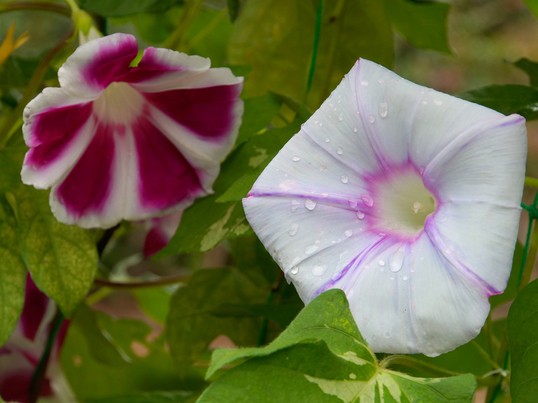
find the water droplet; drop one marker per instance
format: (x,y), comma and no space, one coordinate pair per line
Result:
(339,151)
(294,270)
(320,124)
(318,270)
(383,109)
(360,215)
(352,376)
(367,200)
(405,278)
(355,130)
(294,205)
(371,118)
(295,158)
(438,102)
(364,83)
(310,204)
(381,263)
(381,81)
(340,117)
(396,260)
(344,179)
(293,229)
(348,233)
(327,140)
(417,207)
(353,204)
(311,249)
(324,194)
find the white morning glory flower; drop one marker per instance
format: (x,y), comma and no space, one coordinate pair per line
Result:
(405,198)
(128,139)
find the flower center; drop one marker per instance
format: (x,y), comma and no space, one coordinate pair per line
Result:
(119,103)
(402,203)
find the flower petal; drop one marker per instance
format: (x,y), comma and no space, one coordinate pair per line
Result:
(313,244)
(57,135)
(168,180)
(96,64)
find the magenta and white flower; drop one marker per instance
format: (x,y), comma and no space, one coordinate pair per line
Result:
(20,356)
(405,198)
(128,139)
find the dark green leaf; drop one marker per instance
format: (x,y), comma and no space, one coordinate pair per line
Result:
(61,258)
(507,99)
(424,24)
(529,67)
(522,331)
(147,397)
(258,114)
(192,323)
(118,8)
(322,357)
(533,6)
(12,273)
(233,9)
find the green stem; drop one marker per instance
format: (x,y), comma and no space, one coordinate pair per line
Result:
(410,362)
(190,10)
(315,47)
(40,372)
(14,120)
(265,323)
(180,278)
(531,182)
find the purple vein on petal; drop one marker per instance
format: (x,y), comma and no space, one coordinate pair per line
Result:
(457,264)
(356,262)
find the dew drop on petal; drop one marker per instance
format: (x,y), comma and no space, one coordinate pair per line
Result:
(310,204)
(293,229)
(327,140)
(383,109)
(355,130)
(339,151)
(353,204)
(348,233)
(360,215)
(318,270)
(311,249)
(364,83)
(381,263)
(344,179)
(438,102)
(294,270)
(295,158)
(294,205)
(340,117)
(371,118)
(367,200)
(396,260)
(405,278)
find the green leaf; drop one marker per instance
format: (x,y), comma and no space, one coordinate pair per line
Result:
(119,8)
(529,67)
(92,378)
(259,112)
(194,320)
(62,259)
(522,331)
(12,273)
(533,6)
(322,357)
(276,38)
(507,99)
(423,24)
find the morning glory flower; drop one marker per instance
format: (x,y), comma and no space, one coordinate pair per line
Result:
(405,198)
(123,138)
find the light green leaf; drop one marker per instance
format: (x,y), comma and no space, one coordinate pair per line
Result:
(62,259)
(522,331)
(194,320)
(322,357)
(424,24)
(507,99)
(259,112)
(12,273)
(533,6)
